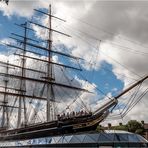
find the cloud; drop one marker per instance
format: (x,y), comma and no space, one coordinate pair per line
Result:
(22,8)
(121,23)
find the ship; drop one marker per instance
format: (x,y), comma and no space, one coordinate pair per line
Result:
(25,86)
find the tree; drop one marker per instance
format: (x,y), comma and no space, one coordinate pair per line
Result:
(99,128)
(135,126)
(121,127)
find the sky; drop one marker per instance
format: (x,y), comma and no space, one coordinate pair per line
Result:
(111,37)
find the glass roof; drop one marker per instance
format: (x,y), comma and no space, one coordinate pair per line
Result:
(107,136)
(111,136)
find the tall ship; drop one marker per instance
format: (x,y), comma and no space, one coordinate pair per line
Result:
(35,86)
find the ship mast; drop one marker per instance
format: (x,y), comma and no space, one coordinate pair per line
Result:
(50,109)
(50,92)
(22,82)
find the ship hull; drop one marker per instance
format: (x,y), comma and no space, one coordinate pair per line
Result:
(54,128)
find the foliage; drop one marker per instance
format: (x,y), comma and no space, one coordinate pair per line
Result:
(134,126)
(99,128)
(121,127)
(139,131)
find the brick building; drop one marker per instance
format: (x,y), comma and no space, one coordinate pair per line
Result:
(145,125)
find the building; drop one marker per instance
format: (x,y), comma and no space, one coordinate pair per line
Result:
(107,139)
(145,125)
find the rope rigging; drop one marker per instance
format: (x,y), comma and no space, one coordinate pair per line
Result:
(94,47)
(134,100)
(79,20)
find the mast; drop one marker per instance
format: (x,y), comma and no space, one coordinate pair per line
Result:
(22,82)
(50,93)
(50,109)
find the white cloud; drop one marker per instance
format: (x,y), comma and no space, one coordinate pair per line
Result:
(22,8)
